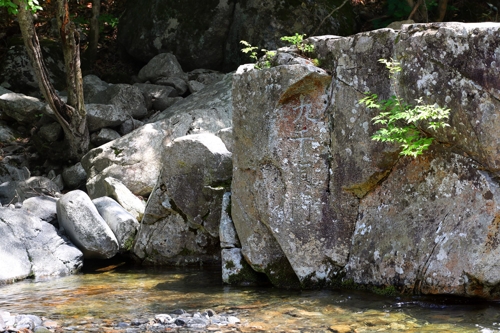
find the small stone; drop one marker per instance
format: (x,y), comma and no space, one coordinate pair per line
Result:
(180,322)
(340,328)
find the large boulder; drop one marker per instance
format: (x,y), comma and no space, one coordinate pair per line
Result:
(281,203)
(164,65)
(31,247)
(16,72)
(134,159)
(83,224)
(432,227)
(207,34)
(22,108)
(104,115)
(182,217)
(314,177)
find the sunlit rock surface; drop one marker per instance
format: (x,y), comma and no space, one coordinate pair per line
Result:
(315,196)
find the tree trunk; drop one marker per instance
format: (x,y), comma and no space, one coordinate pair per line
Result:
(94,32)
(71,116)
(443,4)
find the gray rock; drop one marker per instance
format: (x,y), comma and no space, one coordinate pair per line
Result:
(121,222)
(157,97)
(280,203)
(182,217)
(179,83)
(31,247)
(205,76)
(226,135)
(201,40)
(162,65)
(227,232)
(103,136)
(7,134)
(17,74)
(104,115)
(236,271)
(43,207)
(22,108)
(82,223)
(51,132)
(195,86)
(92,85)
(74,176)
(129,125)
(125,158)
(18,191)
(131,203)
(10,170)
(430,228)
(125,97)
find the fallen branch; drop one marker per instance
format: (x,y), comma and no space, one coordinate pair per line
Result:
(331,13)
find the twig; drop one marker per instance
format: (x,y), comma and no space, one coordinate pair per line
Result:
(331,13)
(414,10)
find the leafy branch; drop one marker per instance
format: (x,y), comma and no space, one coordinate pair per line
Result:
(403,123)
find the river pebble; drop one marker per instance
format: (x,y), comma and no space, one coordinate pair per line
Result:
(177,321)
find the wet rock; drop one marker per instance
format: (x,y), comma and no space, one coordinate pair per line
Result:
(236,271)
(182,217)
(82,223)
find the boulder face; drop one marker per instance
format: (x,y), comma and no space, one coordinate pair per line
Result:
(431,227)
(182,217)
(32,247)
(207,34)
(313,195)
(282,171)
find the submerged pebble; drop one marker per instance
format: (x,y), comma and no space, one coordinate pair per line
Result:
(177,321)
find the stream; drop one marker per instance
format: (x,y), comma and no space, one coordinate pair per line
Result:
(102,298)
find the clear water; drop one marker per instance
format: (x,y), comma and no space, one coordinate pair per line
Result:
(104,297)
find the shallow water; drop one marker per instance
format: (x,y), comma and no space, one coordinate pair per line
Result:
(97,299)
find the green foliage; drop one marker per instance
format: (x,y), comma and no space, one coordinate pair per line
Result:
(252,52)
(33,5)
(403,123)
(109,19)
(298,41)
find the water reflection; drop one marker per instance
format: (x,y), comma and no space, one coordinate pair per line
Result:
(111,294)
